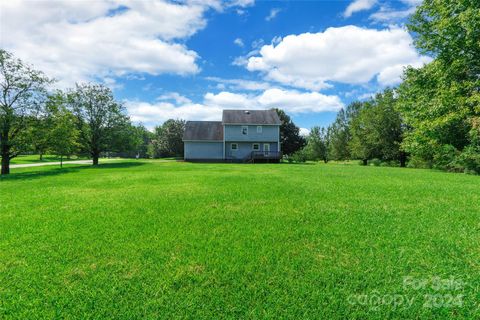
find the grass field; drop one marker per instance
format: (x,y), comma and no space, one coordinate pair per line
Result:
(147,239)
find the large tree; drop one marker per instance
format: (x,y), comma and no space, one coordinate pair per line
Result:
(23,90)
(167,141)
(290,138)
(63,135)
(440,102)
(376,129)
(100,118)
(318,144)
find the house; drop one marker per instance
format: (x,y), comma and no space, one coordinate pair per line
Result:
(242,135)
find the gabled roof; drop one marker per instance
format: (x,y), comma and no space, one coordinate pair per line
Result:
(251,117)
(203,130)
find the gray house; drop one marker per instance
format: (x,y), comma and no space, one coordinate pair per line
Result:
(242,135)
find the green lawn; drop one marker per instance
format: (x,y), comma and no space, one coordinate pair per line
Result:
(149,239)
(35,158)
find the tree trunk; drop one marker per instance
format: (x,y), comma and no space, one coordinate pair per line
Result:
(5,156)
(41,156)
(365,162)
(95,157)
(403,159)
(5,164)
(61,161)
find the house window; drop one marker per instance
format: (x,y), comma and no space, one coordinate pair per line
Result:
(259,129)
(245,130)
(234,146)
(266,147)
(255,146)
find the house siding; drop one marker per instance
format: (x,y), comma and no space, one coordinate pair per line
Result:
(269,133)
(245,149)
(200,150)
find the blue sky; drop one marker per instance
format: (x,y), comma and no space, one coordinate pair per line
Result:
(191,59)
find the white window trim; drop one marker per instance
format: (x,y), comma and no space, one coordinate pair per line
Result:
(259,129)
(253,146)
(231,146)
(266,144)
(244,127)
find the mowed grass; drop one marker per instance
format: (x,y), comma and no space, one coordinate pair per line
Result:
(35,158)
(148,239)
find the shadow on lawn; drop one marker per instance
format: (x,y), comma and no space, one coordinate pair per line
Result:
(49,171)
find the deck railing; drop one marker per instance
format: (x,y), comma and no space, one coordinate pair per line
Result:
(266,155)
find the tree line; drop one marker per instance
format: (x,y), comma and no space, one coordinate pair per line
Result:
(85,120)
(432,119)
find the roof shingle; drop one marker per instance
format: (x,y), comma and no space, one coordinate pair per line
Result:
(251,117)
(203,130)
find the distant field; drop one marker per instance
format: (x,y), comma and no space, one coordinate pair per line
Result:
(151,239)
(35,158)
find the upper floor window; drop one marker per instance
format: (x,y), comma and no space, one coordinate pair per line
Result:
(259,129)
(245,130)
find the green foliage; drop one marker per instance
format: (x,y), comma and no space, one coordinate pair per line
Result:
(317,144)
(23,91)
(299,156)
(440,102)
(339,136)
(101,120)
(63,136)
(167,139)
(376,129)
(290,138)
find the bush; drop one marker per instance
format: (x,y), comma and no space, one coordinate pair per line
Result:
(375,162)
(419,163)
(469,160)
(300,156)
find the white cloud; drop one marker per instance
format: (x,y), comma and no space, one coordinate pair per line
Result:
(304,132)
(175,96)
(389,15)
(273,14)
(239,42)
(75,41)
(241,84)
(358,5)
(151,114)
(349,54)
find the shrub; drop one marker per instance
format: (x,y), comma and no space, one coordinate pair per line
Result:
(375,162)
(299,156)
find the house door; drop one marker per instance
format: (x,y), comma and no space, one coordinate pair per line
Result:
(266,148)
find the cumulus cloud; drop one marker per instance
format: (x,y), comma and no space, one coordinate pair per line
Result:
(292,101)
(72,41)
(358,5)
(349,54)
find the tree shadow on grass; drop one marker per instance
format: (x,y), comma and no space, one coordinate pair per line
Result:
(43,172)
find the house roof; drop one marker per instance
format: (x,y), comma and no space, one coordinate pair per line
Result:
(251,117)
(203,130)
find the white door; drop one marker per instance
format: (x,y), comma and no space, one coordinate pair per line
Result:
(266,148)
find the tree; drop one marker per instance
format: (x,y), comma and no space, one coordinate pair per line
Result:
(339,134)
(440,102)
(23,90)
(376,129)
(63,136)
(318,144)
(167,140)
(290,138)
(100,119)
